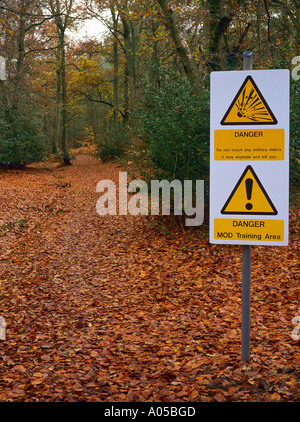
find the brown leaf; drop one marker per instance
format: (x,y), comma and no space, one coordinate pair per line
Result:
(37,381)
(275,397)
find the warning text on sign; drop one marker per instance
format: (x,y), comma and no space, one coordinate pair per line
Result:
(239,145)
(248,229)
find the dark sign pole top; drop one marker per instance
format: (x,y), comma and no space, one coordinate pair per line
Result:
(247,60)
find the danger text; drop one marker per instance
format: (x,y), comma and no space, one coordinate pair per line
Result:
(248,223)
(249,133)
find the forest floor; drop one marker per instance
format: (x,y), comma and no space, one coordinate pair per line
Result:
(132,309)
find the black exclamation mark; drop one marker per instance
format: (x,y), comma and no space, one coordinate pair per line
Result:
(249,186)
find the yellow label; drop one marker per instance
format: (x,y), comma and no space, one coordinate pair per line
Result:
(249,144)
(251,230)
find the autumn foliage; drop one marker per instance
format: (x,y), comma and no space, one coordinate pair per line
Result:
(133,309)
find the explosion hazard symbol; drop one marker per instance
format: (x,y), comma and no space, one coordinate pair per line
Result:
(249,107)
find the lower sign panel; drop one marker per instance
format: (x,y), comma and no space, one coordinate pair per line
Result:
(249,230)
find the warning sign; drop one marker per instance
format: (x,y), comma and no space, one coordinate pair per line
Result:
(249,107)
(249,157)
(249,197)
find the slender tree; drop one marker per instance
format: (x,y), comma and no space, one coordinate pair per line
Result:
(182,48)
(62,16)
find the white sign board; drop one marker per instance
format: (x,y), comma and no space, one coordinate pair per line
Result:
(249,157)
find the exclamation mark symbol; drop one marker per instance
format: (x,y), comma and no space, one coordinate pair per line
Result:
(249,186)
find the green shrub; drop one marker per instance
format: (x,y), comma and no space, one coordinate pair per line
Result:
(21,140)
(294,133)
(174,123)
(112,145)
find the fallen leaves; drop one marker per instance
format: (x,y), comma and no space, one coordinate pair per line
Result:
(113,309)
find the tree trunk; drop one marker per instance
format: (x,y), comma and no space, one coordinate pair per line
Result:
(182,48)
(127,69)
(57,122)
(258,30)
(116,86)
(133,62)
(64,114)
(218,25)
(61,12)
(223,56)
(297,19)
(155,54)
(20,62)
(130,47)
(116,68)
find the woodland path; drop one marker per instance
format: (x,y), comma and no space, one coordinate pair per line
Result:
(129,309)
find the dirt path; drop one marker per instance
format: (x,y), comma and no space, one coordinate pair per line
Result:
(114,309)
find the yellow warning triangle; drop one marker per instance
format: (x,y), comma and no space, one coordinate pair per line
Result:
(249,197)
(249,107)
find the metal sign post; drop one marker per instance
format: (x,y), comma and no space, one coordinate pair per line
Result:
(246,300)
(246,270)
(249,166)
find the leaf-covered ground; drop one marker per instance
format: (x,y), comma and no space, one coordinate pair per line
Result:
(132,309)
